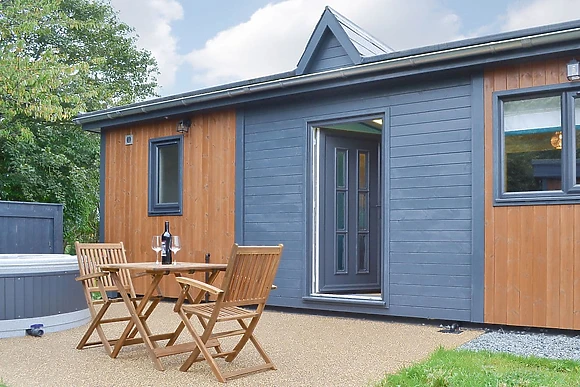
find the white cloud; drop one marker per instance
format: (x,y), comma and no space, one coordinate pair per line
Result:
(540,12)
(276,35)
(152,22)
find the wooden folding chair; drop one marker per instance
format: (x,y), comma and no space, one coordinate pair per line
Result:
(98,287)
(247,283)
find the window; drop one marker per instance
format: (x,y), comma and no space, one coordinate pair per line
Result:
(539,148)
(165,175)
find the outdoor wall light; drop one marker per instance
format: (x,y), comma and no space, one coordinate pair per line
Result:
(573,70)
(183,126)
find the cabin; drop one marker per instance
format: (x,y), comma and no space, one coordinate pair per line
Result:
(439,182)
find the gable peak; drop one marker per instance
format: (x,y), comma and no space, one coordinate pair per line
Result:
(355,42)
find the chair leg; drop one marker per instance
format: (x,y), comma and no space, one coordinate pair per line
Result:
(248,335)
(104,340)
(201,347)
(261,351)
(258,347)
(148,312)
(96,325)
(195,353)
(244,339)
(218,347)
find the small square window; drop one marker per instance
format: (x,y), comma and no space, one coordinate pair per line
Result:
(165,175)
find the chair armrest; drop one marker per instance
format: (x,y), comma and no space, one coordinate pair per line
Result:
(200,285)
(90,276)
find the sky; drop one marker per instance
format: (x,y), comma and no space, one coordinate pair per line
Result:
(203,43)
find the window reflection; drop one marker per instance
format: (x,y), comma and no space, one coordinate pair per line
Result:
(168,174)
(341,160)
(362,170)
(533,146)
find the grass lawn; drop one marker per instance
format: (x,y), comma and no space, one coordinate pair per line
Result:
(468,368)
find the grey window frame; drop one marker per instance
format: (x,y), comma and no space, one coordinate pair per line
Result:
(570,192)
(155,208)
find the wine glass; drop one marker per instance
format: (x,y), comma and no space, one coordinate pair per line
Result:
(175,246)
(156,246)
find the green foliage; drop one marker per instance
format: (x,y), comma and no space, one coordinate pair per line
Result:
(96,296)
(466,368)
(59,58)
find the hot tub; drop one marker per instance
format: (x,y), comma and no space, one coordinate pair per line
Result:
(40,289)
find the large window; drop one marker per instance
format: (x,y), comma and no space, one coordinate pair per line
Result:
(165,175)
(539,145)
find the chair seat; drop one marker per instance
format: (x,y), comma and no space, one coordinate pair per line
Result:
(117,299)
(226,313)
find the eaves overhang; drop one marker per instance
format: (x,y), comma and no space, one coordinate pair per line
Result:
(557,38)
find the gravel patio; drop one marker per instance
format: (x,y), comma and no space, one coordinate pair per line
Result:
(309,350)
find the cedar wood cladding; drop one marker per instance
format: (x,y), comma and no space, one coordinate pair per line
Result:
(207,223)
(532,264)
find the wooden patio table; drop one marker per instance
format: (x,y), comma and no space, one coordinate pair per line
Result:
(156,271)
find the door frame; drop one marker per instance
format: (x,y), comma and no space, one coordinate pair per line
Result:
(312,209)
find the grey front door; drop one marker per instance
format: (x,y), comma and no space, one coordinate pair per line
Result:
(350,209)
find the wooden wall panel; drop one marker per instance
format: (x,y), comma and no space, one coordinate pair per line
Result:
(532,264)
(207,222)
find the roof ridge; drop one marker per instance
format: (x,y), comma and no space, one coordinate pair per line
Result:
(360,31)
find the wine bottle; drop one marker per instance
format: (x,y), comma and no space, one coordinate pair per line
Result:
(166,245)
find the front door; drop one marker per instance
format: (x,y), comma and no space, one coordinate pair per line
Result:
(350,209)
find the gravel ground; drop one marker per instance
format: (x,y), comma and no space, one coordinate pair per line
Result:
(308,350)
(549,345)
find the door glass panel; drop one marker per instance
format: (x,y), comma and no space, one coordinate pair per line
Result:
(341,159)
(363,211)
(341,168)
(363,170)
(341,211)
(363,253)
(341,253)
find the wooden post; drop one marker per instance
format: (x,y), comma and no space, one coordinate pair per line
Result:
(207,255)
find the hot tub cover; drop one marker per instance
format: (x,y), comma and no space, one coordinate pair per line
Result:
(11,264)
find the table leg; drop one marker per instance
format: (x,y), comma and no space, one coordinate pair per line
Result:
(151,307)
(136,321)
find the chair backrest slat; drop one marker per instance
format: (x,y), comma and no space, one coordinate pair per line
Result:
(91,255)
(250,274)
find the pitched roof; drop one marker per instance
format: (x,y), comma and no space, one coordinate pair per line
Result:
(357,43)
(365,44)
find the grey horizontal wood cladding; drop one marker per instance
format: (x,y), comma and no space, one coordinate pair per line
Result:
(40,294)
(328,55)
(18,221)
(430,207)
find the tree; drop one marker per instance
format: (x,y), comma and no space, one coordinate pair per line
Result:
(59,58)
